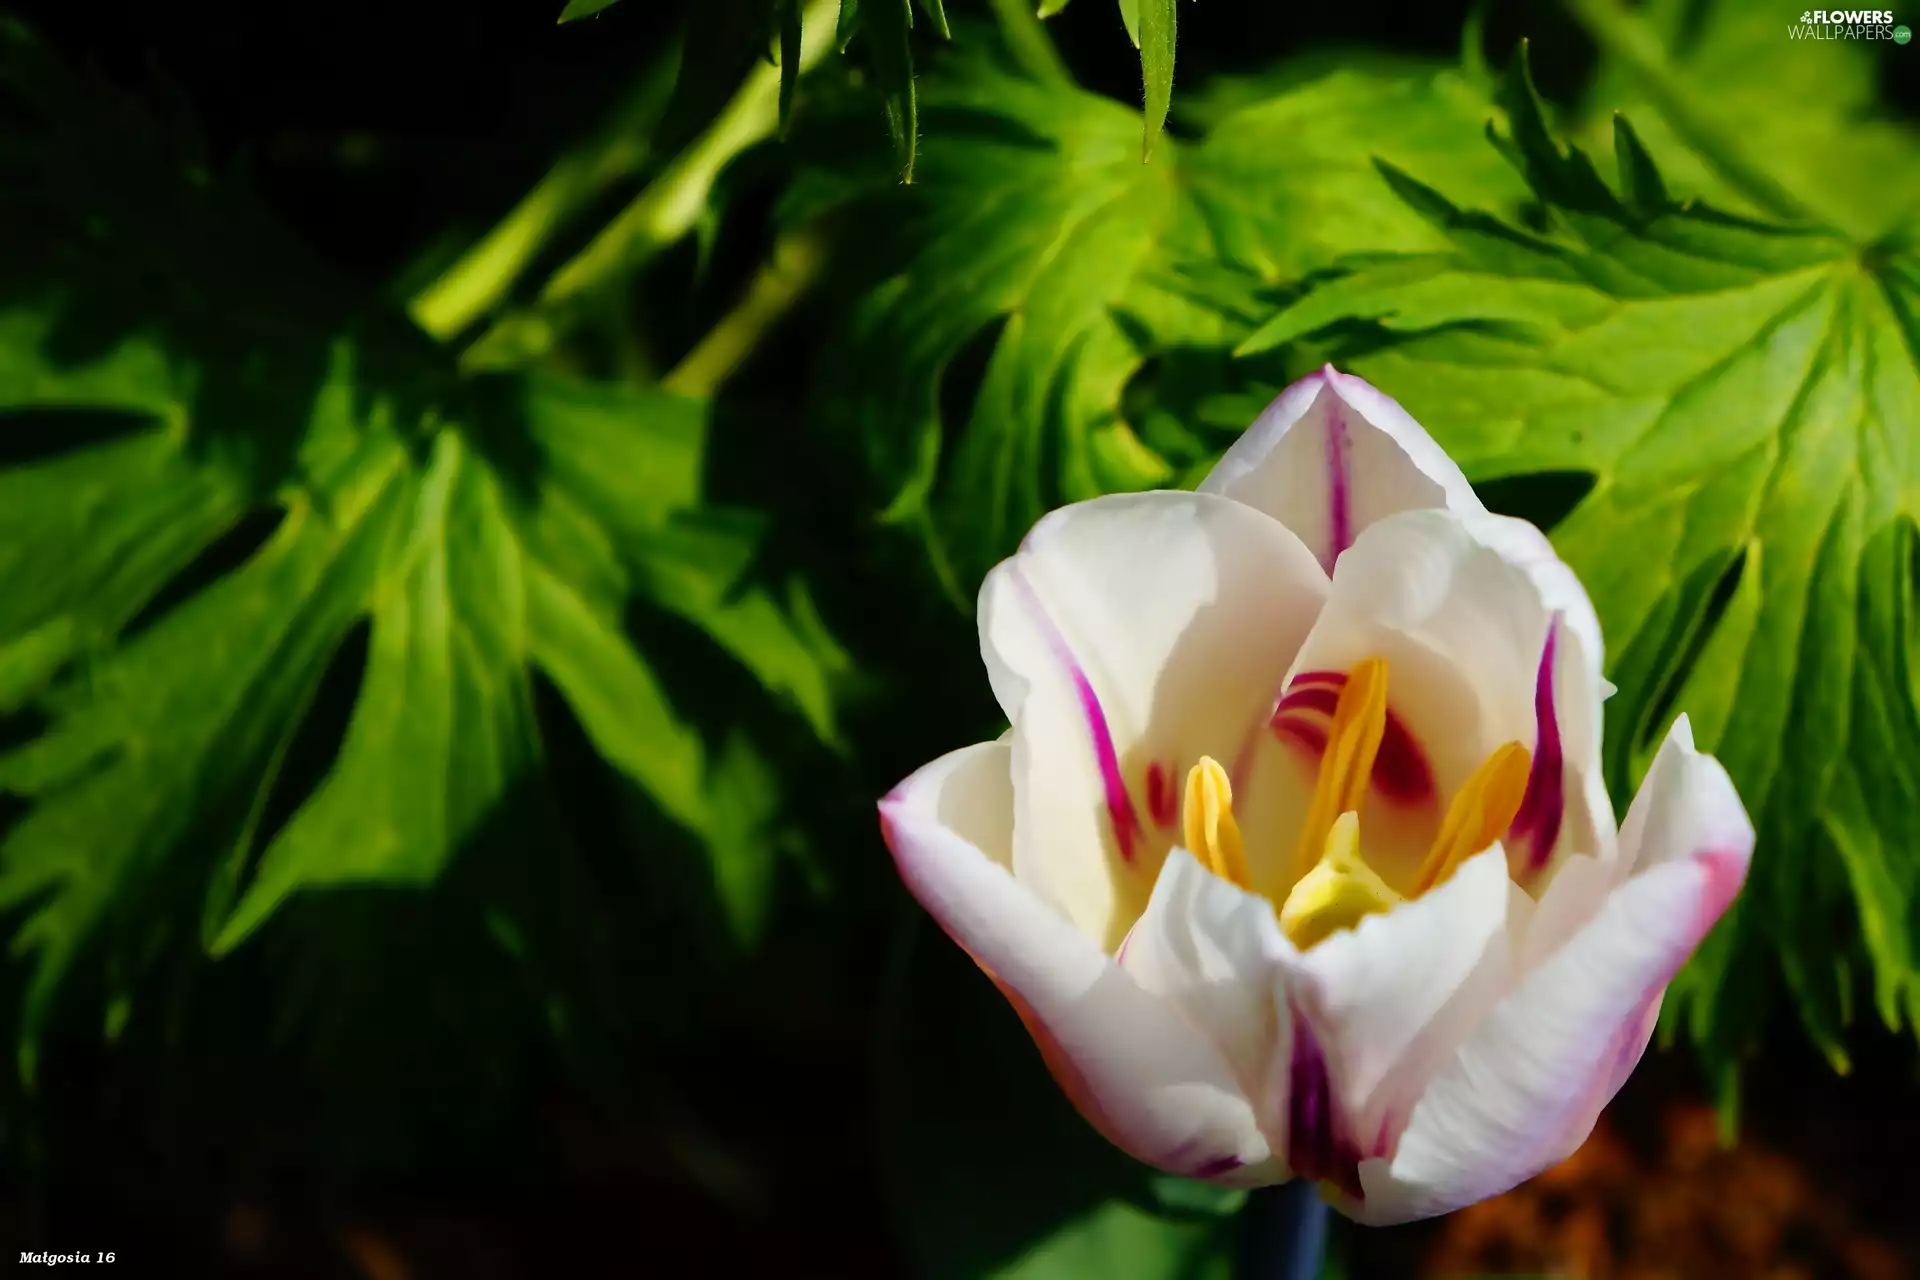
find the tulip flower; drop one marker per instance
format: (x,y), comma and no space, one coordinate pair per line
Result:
(1296,860)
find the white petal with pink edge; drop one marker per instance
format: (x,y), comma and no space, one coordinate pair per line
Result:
(1686,802)
(1330,456)
(1525,1089)
(1129,636)
(1137,1070)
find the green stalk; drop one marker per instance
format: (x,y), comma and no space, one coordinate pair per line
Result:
(486,272)
(1626,37)
(663,212)
(1029,42)
(666,210)
(796,263)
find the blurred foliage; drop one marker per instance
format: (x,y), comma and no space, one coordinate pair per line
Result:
(1039,248)
(212,487)
(1689,72)
(421,675)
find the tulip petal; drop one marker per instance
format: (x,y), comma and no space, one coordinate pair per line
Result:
(1212,950)
(1130,636)
(1462,606)
(1685,802)
(1390,1001)
(1132,1065)
(1568,692)
(1525,1089)
(1330,456)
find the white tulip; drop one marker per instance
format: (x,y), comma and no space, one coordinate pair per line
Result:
(1296,860)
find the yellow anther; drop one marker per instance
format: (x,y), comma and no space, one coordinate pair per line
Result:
(1340,891)
(1212,834)
(1346,767)
(1479,814)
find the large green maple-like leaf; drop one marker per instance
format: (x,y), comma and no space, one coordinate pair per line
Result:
(1745,399)
(1730,71)
(213,476)
(168,742)
(1035,230)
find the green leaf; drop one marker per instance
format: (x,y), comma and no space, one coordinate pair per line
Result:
(1805,109)
(937,11)
(789,21)
(1119,1238)
(443,724)
(887,26)
(1156,27)
(1037,253)
(219,477)
(1129,18)
(722,42)
(1742,396)
(466,594)
(577,9)
(1050,7)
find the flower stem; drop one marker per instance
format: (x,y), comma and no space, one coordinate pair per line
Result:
(1286,1233)
(1626,37)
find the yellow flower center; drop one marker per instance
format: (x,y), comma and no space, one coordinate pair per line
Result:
(1333,887)
(1339,892)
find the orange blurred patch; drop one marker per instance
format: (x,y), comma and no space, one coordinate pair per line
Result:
(1677,1208)
(373,1257)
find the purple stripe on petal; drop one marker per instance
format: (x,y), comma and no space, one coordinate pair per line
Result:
(1401,773)
(1318,698)
(1217,1166)
(1339,474)
(1537,824)
(1163,802)
(1126,823)
(1307,733)
(1320,1142)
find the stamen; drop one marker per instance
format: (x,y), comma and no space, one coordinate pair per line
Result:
(1212,834)
(1479,814)
(1340,891)
(1353,740)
